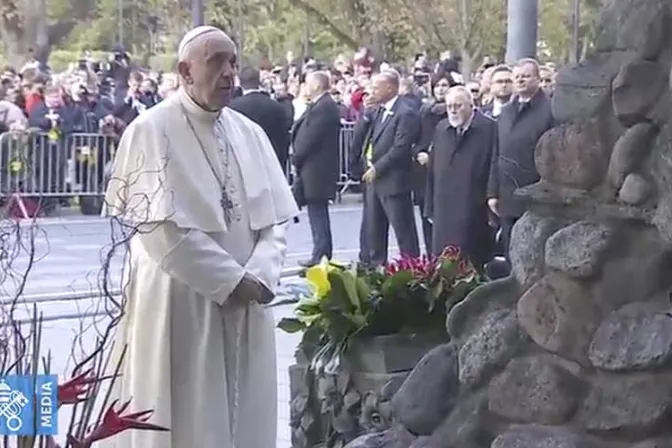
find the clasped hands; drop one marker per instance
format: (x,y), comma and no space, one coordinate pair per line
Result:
(250,289)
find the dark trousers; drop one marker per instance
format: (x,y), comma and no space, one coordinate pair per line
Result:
(382,211)
(507,223)
(364,249)
(320,228)
(426,224)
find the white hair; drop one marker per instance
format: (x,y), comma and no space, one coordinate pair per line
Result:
(463,91)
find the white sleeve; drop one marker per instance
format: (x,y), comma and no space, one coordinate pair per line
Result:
(193,258)
(268,256)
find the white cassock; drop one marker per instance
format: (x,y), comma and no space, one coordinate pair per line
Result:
(206,367)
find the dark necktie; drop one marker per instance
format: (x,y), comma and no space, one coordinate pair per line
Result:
(522,107)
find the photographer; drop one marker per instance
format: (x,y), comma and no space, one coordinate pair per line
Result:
(140,97)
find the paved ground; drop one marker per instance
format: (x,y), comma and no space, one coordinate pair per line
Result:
(67,261)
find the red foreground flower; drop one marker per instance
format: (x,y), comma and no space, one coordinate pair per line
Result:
(76,389)
(114,423)
(420,266)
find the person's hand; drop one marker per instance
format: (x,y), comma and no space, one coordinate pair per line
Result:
(369,175)
(250,289)
(493,205)
(422,158)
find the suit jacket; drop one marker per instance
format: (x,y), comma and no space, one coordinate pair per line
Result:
(316,139)
(271,116)
(514,166)
(392,141)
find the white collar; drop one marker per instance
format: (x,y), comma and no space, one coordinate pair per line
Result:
(246,91)
(390,104)
(194,109)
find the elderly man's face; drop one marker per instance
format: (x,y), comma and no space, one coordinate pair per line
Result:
(459,108)
(526,79)
(212,72)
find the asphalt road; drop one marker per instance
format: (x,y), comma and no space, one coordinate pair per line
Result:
(64,259)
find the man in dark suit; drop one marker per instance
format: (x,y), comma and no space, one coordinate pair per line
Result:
(316,140)
(458,172)
(520,125)
(259,107)
(386,158)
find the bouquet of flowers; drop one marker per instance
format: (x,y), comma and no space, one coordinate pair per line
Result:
(409,295)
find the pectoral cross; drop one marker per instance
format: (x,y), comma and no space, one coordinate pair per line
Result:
(227,206)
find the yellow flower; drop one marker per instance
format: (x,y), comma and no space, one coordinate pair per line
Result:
(318,279)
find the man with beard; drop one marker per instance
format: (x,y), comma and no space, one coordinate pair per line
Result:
(520,125)
(501,89)
(200,185)
(457,181)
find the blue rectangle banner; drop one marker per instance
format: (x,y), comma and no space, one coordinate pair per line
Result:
(28,405)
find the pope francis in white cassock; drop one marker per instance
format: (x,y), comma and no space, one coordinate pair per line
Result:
(202,185)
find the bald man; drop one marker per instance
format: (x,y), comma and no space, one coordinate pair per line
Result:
(383,143)
(316,140)
(201,188)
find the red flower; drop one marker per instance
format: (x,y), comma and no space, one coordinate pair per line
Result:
(450,253)
(114,423)
(76,389)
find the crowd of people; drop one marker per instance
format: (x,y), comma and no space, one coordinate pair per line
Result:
(284,99)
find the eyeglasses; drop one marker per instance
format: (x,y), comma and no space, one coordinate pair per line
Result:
(503,81)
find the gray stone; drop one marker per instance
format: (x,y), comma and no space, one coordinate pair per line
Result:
(635,190)
(396,437)
(466,427)
(663,218)
(528,240)
(465,317)
(582,91)
(654,443)
(560,315)
(633,404)
(630,149)
(578,249)
(637,269)
(636,337)
(429,393)
(533,390)
(637,25)
(636,90)
(573,155)
(536,436)
(489,348)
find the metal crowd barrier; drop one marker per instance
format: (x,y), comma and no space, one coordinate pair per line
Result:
(52,166)
(73,167)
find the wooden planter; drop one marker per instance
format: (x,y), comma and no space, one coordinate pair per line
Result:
(334,409)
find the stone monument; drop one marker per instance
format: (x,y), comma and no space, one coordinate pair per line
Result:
(574,349)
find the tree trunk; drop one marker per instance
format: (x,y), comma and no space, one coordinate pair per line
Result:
(24,28)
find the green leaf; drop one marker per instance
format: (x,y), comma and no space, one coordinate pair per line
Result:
(291,325)
(397,283)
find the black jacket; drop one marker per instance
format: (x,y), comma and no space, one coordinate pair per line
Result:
(514,166)
(271,117)
(316,140)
